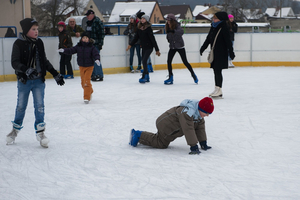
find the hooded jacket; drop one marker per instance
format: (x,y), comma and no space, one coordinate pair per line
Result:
(175,39)
(21,55)
(86,53)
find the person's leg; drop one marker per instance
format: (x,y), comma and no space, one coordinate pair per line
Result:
(85,74)
(145,57)
(22,101)
(218,77)
(131,56)
(171,55)
(38,93)
(138,53)
(68,64)
(62,62)
(153,140)
(182,54)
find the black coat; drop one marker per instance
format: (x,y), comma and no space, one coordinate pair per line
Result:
(174,37)
(222,47)
(233,27)
(146,37)
(21,54)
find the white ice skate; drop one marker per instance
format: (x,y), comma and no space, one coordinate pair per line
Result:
(40,135)
(10,138)
(217,93)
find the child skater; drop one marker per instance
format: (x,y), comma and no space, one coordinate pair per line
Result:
(87,54)
(30,63)
(147,39)
(174,37)
(186,119)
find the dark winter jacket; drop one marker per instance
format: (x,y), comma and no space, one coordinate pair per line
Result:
(174,37)
(147,39)
(183,120)
(222,47)
(233,27)
(73,32)
(96,32)
(86,53)
(65,40)
(21,55)
(131,32)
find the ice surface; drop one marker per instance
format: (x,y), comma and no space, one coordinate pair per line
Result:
(254,133)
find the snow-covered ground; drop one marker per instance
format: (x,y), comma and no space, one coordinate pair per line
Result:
(254,133)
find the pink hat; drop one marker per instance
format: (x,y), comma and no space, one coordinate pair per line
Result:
(230,16)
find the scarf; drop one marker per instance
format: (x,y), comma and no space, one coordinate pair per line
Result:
(215,24)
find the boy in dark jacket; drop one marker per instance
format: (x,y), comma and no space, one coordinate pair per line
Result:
(30,63)
(186,119)
(148,42)
(87,55)
(65,41)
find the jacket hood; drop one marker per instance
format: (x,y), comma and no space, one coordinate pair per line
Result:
(191,108)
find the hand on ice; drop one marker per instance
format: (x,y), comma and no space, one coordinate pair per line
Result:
(97,62)
(60,50)
(194,150)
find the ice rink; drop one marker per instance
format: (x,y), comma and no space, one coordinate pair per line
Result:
(254,133)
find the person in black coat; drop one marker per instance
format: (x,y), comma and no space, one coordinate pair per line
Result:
(148,42)
(222,47)
(233,27)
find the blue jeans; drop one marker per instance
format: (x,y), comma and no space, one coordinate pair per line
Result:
(37,87)
(138,53)
(97,69)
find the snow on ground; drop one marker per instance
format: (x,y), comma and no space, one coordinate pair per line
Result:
(254,133)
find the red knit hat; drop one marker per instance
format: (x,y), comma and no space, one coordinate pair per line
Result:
(61,23)
(206,105)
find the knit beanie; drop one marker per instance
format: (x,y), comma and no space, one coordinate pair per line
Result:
(26,24)
(222,16)
(85,34)
(61,23)
(171,17)
(230,16)
(140,14)
(146,17)
(133,17)
(206,105)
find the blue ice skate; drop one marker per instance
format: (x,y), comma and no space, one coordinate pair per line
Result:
(169,81)
(134,137)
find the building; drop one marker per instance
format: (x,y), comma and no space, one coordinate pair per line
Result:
(182,12)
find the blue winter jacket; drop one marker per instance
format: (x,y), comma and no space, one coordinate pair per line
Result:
(191,108)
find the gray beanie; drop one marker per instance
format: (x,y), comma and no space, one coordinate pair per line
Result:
(133,17)
(146,17)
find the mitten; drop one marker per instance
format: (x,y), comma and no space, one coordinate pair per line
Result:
(232,55)
(204,146)
(97,62)
(194,150)
(31,73)
(59,79)
(60,50)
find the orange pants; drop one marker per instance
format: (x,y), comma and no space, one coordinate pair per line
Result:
(85,74)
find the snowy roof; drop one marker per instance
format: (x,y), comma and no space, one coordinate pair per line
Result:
(252,13)
(239,24)
(198,9)
(286,12)
(130,8)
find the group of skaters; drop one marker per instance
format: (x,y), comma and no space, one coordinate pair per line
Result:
(31,64)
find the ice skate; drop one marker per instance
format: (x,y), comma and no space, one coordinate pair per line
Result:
(230,64)
(86,101)
(169,81)
(10,138)
(217,93)
(134,137)
(40,135)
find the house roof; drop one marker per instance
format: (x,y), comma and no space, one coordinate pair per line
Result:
(198,9)
(179,10)
(274,12)
(252,13)
(130,8)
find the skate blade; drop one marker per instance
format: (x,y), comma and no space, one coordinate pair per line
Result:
(44,146)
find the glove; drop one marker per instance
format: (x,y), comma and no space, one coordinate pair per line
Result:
(204,146)
(97,62)
(232,55)
(31,73)
(60,50)
(194,150)
(170,31)
(59,79)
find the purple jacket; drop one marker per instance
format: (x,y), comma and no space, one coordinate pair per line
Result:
(86,53)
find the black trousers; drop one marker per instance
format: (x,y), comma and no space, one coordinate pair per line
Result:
(145,55)
(65,60)
(218,77)
(182,54)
